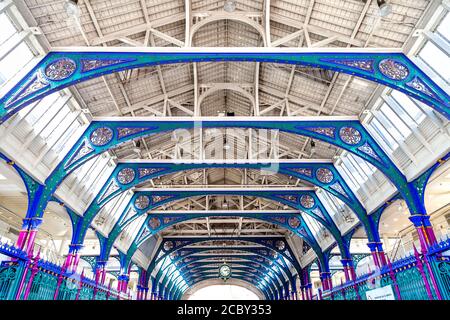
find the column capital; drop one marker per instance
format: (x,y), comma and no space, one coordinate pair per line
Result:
(420,220)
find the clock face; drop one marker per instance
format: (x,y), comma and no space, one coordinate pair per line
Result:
(225,271)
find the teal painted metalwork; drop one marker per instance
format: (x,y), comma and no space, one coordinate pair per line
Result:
(58,70)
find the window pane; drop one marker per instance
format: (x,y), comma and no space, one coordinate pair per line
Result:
(15,60)
(7,27)
(436,59)
(408,105)
(444,27)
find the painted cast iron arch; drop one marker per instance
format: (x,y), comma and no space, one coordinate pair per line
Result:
(346,133)
(260,260)
(65,67)
(320,173)
(186,255)
(294,223)
(304,200)
(237,271)
(106,134)
(251,281)
(260,257)
(248,264)
(277,244)
(270,284)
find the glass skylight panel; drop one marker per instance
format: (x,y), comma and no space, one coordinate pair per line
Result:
(15,60)
(397,123)
(8,28)
(444,28)
(436,59)
(408,106)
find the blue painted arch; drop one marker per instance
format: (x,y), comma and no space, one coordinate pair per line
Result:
(66,67)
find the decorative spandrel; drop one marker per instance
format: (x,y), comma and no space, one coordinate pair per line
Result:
(126,175)
(125,132)
(142,202)
(36,83)
(307,201)
(350,135)
(324,131)
(304,171)
(60,69)
(101,136)
(393,69)
(144,172)
(324,175)
(367,149)
(362,64)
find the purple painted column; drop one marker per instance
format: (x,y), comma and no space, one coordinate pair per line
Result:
(373,251)
(425,231)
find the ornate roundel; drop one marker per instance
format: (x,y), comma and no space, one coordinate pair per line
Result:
(324,175)
(294,222)
(168,245)
(60,69)
(142,202)
(154,223)
(307,201)
(101,136)
(393,69)
(126,175)
(350,135)
(280,245)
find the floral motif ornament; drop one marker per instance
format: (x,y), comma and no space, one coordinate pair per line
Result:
(126,175)
(324,175)
(168,245)
(393,69)
(350,135)
(60,69)
(307,201)
(142,202)
(280,245)
(101,136)
(294,222)
(154,223)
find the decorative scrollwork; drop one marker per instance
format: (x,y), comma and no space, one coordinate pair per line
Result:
(142,202)
(280,245)
(350,135)
(393,69)
(168,245)
(126,175)
(154,223)
(60,69)
(324,175)
(294,222)
(307,201)
(101,136)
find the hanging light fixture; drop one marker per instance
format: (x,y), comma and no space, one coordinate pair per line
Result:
(229,5)
(71,7)
(313,147)
(384,8)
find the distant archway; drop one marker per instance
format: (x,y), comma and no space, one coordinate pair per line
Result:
(233,289)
